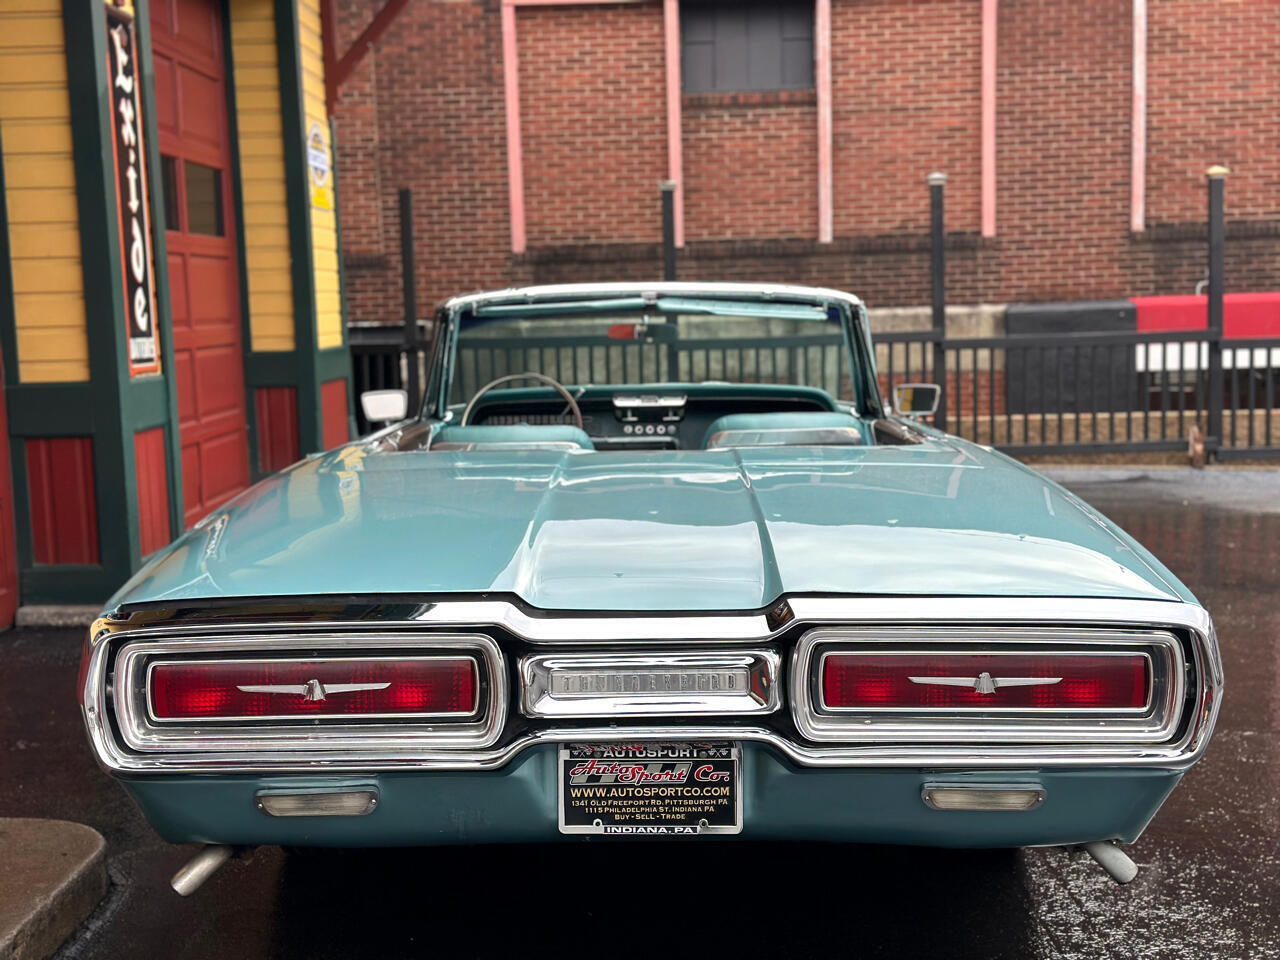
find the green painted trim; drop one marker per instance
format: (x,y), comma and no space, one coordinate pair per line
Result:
(52,410)
(242,260)
(271,369)
(66,583)
(9,347)
(84,25)
(164,304)
(8,313)
(297,190)
(335,364)
(146,402)
(342,276)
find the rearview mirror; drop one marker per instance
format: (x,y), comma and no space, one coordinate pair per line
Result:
(384,406)
(916,399)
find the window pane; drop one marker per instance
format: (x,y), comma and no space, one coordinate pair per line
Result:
(764,47)
(732,45)
(169,185)
(797,64)
(204,199)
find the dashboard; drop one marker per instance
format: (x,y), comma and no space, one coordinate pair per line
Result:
(665,418)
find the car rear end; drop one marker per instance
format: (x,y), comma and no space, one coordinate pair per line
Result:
(954,721)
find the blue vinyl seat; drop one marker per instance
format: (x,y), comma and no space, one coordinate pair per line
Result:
(511,437)
(818,428)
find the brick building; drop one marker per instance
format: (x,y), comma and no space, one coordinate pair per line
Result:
(171,322)
(534,134)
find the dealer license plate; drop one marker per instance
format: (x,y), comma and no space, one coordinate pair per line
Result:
(650,789)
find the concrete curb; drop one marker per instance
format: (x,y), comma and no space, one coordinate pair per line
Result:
(57,615)
(54,874)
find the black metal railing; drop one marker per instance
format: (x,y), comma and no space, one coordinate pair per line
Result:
(381,360)
(1024,393)
(804,360)
(1099,392)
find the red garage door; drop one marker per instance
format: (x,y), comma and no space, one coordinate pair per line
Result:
(195,147)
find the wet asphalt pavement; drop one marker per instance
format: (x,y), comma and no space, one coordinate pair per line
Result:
(1210,863)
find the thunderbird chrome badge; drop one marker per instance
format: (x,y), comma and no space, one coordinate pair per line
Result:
(311,690)
(984,682)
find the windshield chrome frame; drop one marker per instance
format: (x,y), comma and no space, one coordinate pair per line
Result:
(853,321)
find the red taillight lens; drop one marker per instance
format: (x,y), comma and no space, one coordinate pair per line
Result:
(259,689)
(1023,681)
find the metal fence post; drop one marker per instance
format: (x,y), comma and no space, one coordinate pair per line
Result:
(410,292)
(938,274)
(1217,236)
(668,229)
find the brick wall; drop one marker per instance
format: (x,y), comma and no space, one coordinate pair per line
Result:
(425,110)
(750,165)
(593,111)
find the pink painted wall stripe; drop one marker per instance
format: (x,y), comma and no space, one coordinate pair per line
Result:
(1138,174)
(990,13)
(511,98)
(511,93)
(675,140)
(822,78)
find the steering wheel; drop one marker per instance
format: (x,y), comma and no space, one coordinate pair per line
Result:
(555,384)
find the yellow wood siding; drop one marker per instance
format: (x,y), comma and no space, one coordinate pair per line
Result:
(266,211)
(324,245)
(40,194)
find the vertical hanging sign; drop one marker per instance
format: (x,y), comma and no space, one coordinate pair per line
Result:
(131,193)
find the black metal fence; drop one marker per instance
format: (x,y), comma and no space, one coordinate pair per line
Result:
(809,360)
(381,360)
(1099,392)
(1024,394)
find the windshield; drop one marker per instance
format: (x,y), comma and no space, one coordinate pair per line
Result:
(676,341)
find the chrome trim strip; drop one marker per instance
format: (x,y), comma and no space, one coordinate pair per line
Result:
(926,794)
(960,757)
(644,626)
(1156,723)
(537,699)
(142,734)
(650,628)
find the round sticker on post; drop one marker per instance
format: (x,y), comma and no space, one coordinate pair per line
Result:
(318,161)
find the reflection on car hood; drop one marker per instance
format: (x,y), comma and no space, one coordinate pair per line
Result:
(694,530)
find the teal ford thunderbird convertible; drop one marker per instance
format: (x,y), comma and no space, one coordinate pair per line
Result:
(652,561)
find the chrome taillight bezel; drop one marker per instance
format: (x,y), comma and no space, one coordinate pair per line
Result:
(1158,722)
(142,732)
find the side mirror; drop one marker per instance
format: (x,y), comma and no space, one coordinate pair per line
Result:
(384,406)
(916,399)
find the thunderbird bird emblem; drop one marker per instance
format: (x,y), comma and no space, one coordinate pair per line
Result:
(311,690)
(985,683)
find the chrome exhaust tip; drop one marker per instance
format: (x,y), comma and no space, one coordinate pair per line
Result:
(200,868)
(1112,859)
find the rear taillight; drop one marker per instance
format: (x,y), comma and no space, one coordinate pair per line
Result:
(350,688)
(1020,681)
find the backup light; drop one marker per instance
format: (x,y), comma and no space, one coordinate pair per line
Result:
(995,681)
(345,803)
(990,797)
(369,687)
